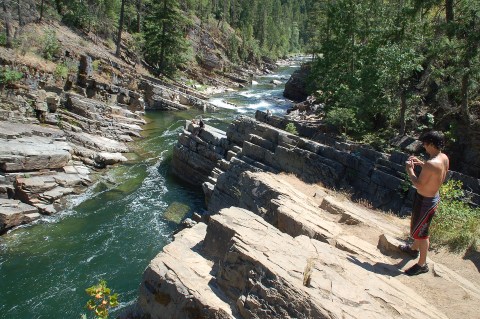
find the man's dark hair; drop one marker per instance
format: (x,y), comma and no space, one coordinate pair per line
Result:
(435,138)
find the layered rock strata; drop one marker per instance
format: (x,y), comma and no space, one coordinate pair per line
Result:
(53,134)
(197,153)
(251,145)
(377,166)
(166,96)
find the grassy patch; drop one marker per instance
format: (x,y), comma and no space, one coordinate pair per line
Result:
(9,76)
(290,128)
(456,224)
(61,71)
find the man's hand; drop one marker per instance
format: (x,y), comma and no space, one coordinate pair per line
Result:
(409,164)
(415,161)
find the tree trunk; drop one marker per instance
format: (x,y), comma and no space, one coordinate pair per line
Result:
(471,51)
(19,12)
(225,10)
(120,27)
(403,111)
(449,16)
(164,32)
(139,16)
(449,11)
(58,5)
(8,26)
(41,11)
(464,94)
(232,13)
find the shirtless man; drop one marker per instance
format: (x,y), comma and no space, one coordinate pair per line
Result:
(427,198)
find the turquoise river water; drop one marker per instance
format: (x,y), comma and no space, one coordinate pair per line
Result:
(120,223)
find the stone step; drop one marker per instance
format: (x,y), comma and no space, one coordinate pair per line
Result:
(376,220)
(223,165)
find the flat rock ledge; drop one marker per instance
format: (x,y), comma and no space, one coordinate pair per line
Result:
(240,266)
(14,213)
(286,254)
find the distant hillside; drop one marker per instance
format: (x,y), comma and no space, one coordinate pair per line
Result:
(196,38)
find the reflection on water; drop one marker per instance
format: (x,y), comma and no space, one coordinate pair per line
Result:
(119,224)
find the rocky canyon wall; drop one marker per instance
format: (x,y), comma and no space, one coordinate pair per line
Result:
(251,145)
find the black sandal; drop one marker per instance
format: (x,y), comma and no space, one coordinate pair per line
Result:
(409,251)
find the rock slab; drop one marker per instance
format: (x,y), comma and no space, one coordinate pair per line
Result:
(14,213)
(240,266)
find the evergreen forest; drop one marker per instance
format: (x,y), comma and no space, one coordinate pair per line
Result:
(379,69)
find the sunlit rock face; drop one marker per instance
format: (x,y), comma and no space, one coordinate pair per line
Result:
(240,266)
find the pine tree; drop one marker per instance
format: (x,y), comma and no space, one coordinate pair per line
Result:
(166,47)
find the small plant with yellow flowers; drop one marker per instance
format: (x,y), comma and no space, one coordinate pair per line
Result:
(102,300)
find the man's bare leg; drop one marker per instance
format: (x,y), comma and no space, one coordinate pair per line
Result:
(416,244)
(423,245)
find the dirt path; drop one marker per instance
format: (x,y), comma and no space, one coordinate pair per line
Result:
(439,288)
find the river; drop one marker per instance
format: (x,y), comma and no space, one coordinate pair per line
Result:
(114,229)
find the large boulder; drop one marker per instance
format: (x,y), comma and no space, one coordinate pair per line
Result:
(296,87)
(106,158)
(176,284)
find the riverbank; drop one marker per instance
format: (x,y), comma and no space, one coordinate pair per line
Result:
(111,230)
(55,134)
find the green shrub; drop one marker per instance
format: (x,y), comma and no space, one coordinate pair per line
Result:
(111,44)
(456,224)
(95,65)
(341,118)
(8,76)
(3,39)
(290,128)
(405,185)
(50,45)
(61,71)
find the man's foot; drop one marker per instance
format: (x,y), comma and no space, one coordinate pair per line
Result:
(409,251)
(416,270)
